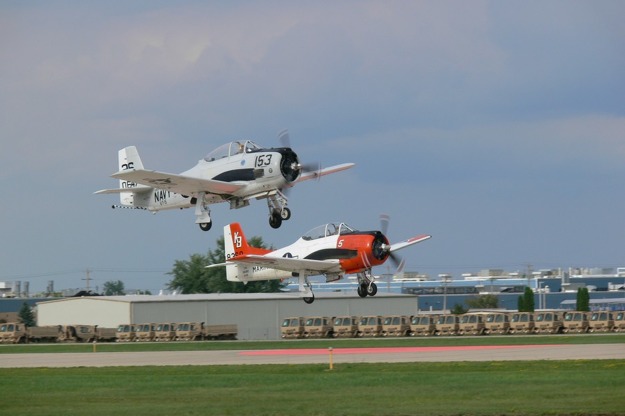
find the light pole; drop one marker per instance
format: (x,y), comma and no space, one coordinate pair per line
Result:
(445,278)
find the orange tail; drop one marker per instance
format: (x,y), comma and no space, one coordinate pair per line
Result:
(235,243)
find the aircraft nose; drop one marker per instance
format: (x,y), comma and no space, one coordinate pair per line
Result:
(289,165)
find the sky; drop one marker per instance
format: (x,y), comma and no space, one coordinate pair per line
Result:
(496,127)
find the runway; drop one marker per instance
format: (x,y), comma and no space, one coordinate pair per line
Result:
(316,356)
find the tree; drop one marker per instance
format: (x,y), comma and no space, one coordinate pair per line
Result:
(583,300)
(113,288)
(26,315)
(484,302)
(192,276)
(526,302)
(458,309)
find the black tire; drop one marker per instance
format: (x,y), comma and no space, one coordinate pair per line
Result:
(275,220)
(205,226)
(309,300)
(362,291)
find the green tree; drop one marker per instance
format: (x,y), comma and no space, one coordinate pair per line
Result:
(113,288)
(458,309)
(483,302)
(26,315)
(192,276)
(526,302)
(583,300)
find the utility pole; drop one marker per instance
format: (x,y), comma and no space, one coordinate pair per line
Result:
(88,279)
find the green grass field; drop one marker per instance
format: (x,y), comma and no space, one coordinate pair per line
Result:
(581,387)
(496,388)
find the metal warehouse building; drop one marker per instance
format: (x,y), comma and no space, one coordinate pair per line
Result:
(257,316)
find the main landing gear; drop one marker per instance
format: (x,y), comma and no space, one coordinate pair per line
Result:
(202,213)
(366,286)
(306,288)
(278,211)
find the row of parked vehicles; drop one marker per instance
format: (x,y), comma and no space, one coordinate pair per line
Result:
(472,323)
(15,333)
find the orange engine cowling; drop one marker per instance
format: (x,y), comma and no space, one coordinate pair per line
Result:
(372,247)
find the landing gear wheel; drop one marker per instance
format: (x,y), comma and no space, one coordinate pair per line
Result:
(275,220)
(309,300)
(372,289)
(362,290)
(285,214)
(205,226)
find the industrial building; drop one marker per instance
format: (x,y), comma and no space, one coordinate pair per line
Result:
(257,316)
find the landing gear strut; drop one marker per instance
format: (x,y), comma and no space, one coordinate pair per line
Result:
(305,288)
(366,286)
(278,211)
(202,213)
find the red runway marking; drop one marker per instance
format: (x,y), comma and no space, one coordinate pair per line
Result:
(388,350)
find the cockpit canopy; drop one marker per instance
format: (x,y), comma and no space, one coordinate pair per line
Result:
(232,149)
(328,230)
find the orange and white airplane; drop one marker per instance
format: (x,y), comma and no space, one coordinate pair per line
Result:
(333,250)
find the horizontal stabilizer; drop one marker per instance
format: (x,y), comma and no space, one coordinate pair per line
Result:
(137,189)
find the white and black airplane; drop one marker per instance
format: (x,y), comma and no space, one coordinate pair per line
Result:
(235,172)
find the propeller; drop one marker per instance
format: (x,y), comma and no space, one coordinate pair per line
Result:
(285,141)
(397,261)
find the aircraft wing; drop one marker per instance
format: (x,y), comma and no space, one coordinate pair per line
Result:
(180,184)
(409,242)
(322,172)
(288,264)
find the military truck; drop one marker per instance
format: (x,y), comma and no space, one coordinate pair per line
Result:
(522,323)
(125,333)
(447,325)
(145,332)
(13,333)
(317,327)
(78,333)
(619,322)
(497,323)
(575,322)
(165,332)
(370,326)
(395,326)
(44,333)
(223,331)
(345,327)
(422,325)
(548,322)
(471,324)
(292,328)
(601,322)
(189,331)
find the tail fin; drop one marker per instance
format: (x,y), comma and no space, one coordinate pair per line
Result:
(129,159)
(235,243)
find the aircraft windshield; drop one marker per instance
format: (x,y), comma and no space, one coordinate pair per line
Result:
(231,149)
(328,230)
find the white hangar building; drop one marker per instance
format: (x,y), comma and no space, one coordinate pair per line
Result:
(257,316)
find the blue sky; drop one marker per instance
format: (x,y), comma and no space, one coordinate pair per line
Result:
(497,127)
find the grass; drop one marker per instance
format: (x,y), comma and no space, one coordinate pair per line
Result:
(324,343)
(492,388)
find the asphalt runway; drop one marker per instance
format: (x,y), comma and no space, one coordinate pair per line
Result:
(317,356)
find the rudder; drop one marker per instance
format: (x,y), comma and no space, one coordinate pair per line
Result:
(128,158)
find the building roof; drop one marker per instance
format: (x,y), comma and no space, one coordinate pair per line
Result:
(217,297)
